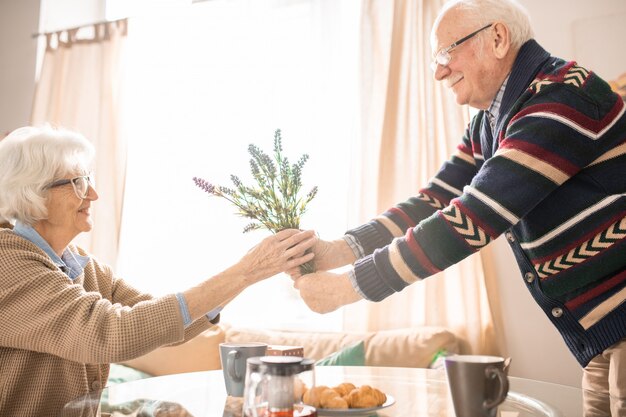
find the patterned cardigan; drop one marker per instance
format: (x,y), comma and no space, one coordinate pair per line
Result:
(553,180)
(58,336)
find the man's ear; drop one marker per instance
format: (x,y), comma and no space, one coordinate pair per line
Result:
(500,40)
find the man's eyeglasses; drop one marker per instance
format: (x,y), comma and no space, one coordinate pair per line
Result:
(80,184)
(443,56)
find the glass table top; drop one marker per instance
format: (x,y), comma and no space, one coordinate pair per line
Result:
(417,393)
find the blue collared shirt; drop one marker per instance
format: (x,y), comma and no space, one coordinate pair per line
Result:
(73,264)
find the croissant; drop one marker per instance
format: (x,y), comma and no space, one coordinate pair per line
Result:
(313,396)
(344,388)
(331,399)
(345,395)
(299,388)
(366,397)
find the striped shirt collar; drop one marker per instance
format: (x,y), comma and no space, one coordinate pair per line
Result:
(493,112)
(72,264)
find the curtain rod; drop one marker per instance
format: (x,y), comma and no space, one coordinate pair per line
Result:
(36,35)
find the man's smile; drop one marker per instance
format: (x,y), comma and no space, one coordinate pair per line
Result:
(453,80)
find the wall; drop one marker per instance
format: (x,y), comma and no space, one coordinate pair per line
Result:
(18,49)
(19,21)
(536,348)
(572,34)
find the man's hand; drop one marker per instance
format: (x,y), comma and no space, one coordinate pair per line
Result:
(329,254)
(324,292)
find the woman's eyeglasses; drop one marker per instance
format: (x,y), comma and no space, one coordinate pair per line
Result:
(443,56)
(80,184)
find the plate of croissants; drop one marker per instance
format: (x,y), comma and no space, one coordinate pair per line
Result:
(346,399)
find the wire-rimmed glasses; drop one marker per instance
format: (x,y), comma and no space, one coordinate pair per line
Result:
(443,56)
(80,184)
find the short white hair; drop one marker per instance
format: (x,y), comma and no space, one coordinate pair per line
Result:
(33,157)
(479,13)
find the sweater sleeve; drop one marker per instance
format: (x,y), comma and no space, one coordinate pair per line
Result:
(125,294)
(447,184)
(43,311)
(121,292)
(553,136)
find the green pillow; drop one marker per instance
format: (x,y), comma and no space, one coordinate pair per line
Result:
(353,355)
(118,374)
(122,373)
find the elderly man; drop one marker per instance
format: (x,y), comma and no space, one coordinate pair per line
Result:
(543,162)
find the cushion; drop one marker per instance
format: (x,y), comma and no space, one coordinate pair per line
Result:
(198,354)
(121,373)
(117,375)
(411,347)
(353,355)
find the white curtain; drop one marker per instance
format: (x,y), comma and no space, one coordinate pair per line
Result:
(203,83)
(409,126)
(78,89)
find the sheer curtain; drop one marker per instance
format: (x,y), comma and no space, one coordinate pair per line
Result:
(205,81)
(410,125)
(78,89)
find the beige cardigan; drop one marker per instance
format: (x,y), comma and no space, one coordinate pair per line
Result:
(58,337)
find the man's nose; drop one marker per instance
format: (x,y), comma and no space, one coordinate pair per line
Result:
(441,72)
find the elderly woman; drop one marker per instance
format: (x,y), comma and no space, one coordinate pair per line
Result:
(64,317)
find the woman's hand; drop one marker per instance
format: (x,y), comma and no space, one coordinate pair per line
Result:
(324,292)
(283,251)
(278,253)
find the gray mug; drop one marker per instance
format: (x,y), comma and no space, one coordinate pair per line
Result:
(478,384)
(234,357)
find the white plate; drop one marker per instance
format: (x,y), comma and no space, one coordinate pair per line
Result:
(341,412)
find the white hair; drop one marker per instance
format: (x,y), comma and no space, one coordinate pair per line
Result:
(479,13)
(33,157)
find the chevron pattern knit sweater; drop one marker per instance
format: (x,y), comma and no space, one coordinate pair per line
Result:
(57,336)
(553,180)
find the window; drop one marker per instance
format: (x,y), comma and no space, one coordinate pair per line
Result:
(204,81)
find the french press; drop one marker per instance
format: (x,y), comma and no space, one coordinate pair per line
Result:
(275,384)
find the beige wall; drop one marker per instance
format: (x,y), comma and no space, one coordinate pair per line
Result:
(590,32)
(536,348)
(18,50)
(19,20)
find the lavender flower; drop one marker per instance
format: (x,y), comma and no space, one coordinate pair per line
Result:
(274,202)
(205,185)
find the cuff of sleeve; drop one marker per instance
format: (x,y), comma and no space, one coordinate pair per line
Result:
(369,237)
(214,315)
(368,282)
(354,244)
(355,285)
(184,311)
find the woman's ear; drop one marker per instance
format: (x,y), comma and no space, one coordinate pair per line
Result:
(500,40)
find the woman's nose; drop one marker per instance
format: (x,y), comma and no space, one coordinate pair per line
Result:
(92,194)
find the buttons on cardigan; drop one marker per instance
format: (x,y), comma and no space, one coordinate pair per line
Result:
(557,312)
(510,237)
(95,385)
(529,277)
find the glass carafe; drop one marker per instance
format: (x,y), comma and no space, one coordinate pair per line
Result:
(275,384)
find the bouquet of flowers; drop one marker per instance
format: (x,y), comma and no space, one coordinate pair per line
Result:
(274,202)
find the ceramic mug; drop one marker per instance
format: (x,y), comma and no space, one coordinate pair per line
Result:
(478,384)
(233,357)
